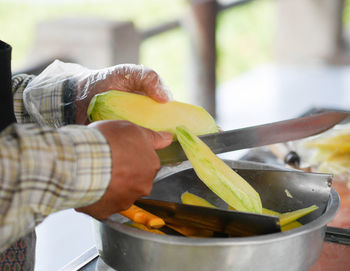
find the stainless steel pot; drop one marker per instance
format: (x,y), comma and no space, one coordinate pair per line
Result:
(126,249)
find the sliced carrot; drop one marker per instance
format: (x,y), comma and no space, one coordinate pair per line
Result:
(191,231)
(145,228)
(143,217)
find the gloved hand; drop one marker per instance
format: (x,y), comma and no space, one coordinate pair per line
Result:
(124,77)
(134,165)
(80,84)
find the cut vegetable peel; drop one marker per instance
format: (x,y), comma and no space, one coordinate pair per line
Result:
(289,217)
(218,176)
(192,199)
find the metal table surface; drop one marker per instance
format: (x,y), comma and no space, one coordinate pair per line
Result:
(265,94)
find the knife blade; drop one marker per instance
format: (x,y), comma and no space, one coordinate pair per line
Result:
(233,223)
(260,135)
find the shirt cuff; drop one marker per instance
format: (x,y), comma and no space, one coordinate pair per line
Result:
(19,83)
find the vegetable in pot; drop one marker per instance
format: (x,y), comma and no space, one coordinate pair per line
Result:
(143,217)
(217,175)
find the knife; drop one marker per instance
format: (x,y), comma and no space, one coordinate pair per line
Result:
(233,223)
(259,135)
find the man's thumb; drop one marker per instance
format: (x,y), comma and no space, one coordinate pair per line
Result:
(161,140)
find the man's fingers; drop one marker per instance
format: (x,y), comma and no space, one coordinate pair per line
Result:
(158,93)
(149,82)
(154,87)
(160,140)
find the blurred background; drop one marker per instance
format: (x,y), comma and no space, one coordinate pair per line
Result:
(195,45)
(246,62)
(244,34)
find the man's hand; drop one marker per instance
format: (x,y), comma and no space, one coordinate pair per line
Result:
(124,77)
(134,165)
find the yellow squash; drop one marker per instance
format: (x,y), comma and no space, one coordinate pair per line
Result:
(285,227)
(286,218)
(143,111)
(192,199)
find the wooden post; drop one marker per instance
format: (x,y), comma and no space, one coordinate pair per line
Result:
(201,24)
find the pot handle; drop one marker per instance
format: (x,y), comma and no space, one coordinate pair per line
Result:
(337,235)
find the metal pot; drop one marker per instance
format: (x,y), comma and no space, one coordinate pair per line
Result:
(125,248)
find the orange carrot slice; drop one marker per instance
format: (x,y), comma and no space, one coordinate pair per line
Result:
(141,216)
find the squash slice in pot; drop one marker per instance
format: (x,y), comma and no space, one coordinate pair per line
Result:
(217,175)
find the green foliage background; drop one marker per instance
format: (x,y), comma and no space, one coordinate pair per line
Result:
(245,34)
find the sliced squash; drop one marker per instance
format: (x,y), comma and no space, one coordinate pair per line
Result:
(289,217)
(285,227)
(217,175)
(192,199)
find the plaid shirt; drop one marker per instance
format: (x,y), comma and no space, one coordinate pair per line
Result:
(44,169)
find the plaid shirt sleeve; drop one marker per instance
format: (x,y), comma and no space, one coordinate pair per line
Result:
(19,82)
(44,169)
(56,103)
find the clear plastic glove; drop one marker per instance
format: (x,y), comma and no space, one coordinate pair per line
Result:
(134,165)
(80,84)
